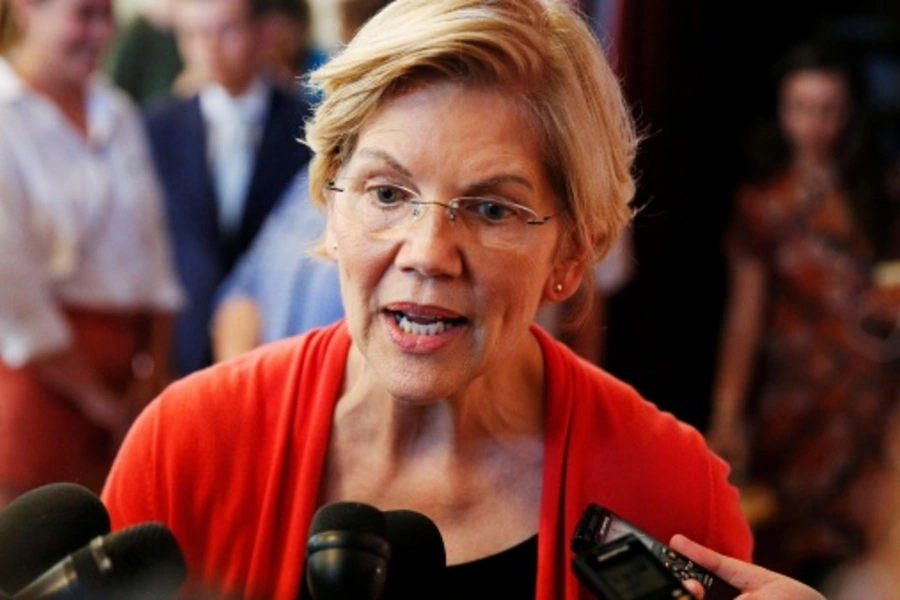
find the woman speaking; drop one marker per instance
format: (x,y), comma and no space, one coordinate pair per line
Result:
(474,159)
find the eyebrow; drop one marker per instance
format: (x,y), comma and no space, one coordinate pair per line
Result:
(499,180)
(475,188)
(384,156)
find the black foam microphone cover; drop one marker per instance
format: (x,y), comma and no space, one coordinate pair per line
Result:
(140,562)
(418,566)
(42,526)
(347,553)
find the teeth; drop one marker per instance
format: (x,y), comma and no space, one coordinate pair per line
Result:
(435,328)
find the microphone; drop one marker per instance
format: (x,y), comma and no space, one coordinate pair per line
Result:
(347,554)
(42,526)
(418,565)
(141,562)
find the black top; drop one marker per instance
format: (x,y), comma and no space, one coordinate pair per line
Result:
(509,575)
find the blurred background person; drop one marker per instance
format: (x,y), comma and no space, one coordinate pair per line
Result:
(670,56)
(279,287)
(143,58)
(88,289)
(225,155)
(287,49)
(284,49)
(876,574)
(810,353)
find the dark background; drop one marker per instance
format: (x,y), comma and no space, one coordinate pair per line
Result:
(697,75)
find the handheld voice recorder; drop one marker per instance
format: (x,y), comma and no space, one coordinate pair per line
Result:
(599,526)
(625,569)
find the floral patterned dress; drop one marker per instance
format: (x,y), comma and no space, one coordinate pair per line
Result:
(828,377)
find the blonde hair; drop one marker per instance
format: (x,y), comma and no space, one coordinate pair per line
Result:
(540,50)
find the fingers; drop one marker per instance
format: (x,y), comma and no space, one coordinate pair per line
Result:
(755,582)
(710,559)
(695,588)
(742,575)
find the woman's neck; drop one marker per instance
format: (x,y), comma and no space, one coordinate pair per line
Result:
(498,409)
(813,163)
(454,459)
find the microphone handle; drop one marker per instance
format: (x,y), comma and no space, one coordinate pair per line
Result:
(54,584)
(64,580)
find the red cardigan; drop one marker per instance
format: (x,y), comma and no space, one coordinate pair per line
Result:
(231,458)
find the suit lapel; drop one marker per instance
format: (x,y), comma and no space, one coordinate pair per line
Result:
(194,152)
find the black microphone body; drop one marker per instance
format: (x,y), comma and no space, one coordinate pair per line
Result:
(141,562)
(347,554)
(418,567)
(42,526)
(357,552)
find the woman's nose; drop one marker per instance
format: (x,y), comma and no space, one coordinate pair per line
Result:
(432,243)
(420,207)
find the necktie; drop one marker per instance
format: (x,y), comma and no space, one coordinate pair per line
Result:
(234,158)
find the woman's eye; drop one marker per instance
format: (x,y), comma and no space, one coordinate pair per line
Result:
(494,211)
(387,194)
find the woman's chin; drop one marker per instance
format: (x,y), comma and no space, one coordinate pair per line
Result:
(420,389)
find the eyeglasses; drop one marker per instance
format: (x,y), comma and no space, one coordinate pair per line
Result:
(382,208)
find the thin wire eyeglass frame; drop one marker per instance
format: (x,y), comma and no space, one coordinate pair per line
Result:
(415,201)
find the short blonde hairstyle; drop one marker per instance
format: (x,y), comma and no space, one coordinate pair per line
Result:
(540,50)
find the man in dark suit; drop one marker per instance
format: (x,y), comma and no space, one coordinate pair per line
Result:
(225,152)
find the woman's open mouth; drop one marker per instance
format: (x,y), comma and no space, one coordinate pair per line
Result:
(424,325)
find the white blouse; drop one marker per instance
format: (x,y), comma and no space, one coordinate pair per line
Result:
(81,220)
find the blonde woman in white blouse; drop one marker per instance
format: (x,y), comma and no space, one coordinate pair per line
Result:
(87,291)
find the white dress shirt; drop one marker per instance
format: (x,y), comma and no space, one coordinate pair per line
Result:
(81,220)
(234,127)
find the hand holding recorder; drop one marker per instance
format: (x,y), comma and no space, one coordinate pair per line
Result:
(755,582)
(615,560)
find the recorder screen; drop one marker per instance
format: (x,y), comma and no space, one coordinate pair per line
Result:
(635,577)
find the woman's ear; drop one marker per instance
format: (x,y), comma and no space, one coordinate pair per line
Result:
(565,278)
(329,241)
